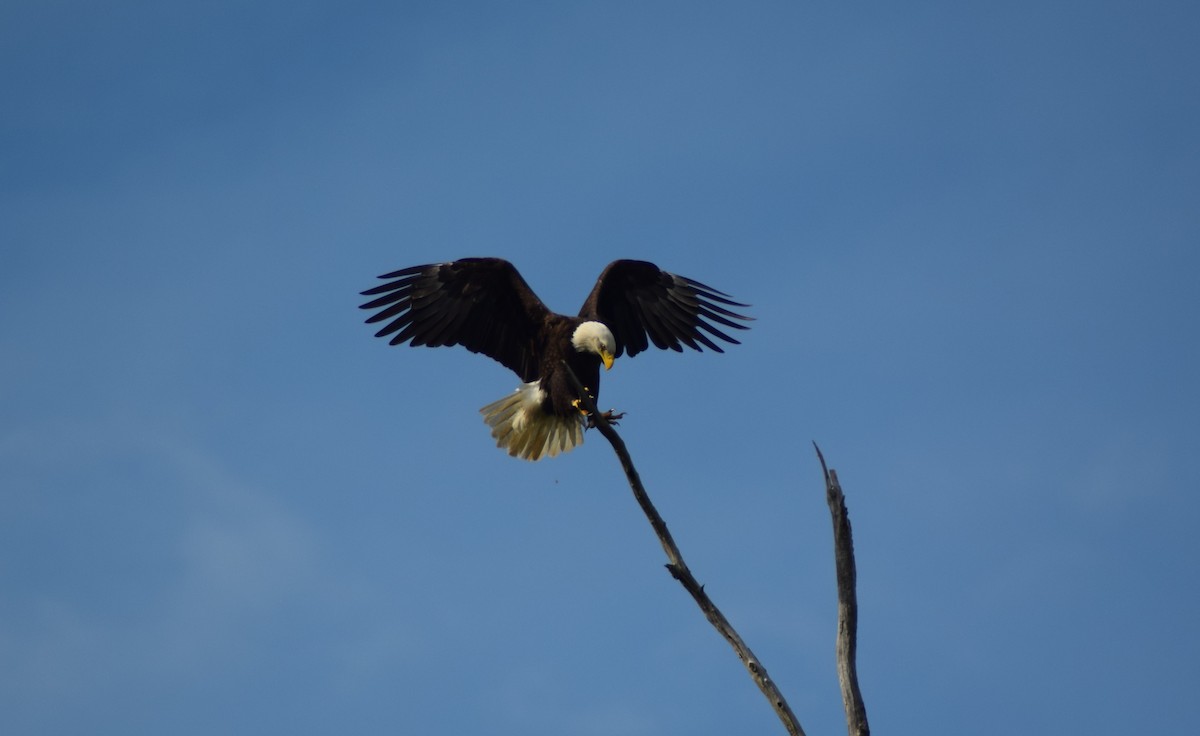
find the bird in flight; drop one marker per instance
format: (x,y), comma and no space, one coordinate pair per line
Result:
(485,305)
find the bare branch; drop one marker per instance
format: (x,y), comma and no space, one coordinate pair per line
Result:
(679,570)
(847,636)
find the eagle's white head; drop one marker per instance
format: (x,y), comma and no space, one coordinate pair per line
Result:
(595,337)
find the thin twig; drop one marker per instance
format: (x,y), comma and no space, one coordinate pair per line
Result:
(847,637)
(679,570)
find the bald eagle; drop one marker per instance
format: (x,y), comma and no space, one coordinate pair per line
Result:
(484,305)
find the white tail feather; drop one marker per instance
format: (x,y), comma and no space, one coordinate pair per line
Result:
(522,429)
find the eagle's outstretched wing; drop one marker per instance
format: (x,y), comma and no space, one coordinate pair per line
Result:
(482,304)
(636,299)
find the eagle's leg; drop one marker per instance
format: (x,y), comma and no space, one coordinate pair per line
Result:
(610,416)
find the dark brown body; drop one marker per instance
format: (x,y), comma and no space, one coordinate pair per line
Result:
(554,348)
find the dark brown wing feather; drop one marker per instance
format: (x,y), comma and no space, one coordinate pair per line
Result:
(637,301)
(482,304)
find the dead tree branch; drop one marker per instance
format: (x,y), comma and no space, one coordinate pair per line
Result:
(847,627)
(679,569)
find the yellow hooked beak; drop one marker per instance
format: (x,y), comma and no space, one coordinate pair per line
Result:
(607,357)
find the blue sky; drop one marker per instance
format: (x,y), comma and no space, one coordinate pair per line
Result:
(971,238)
